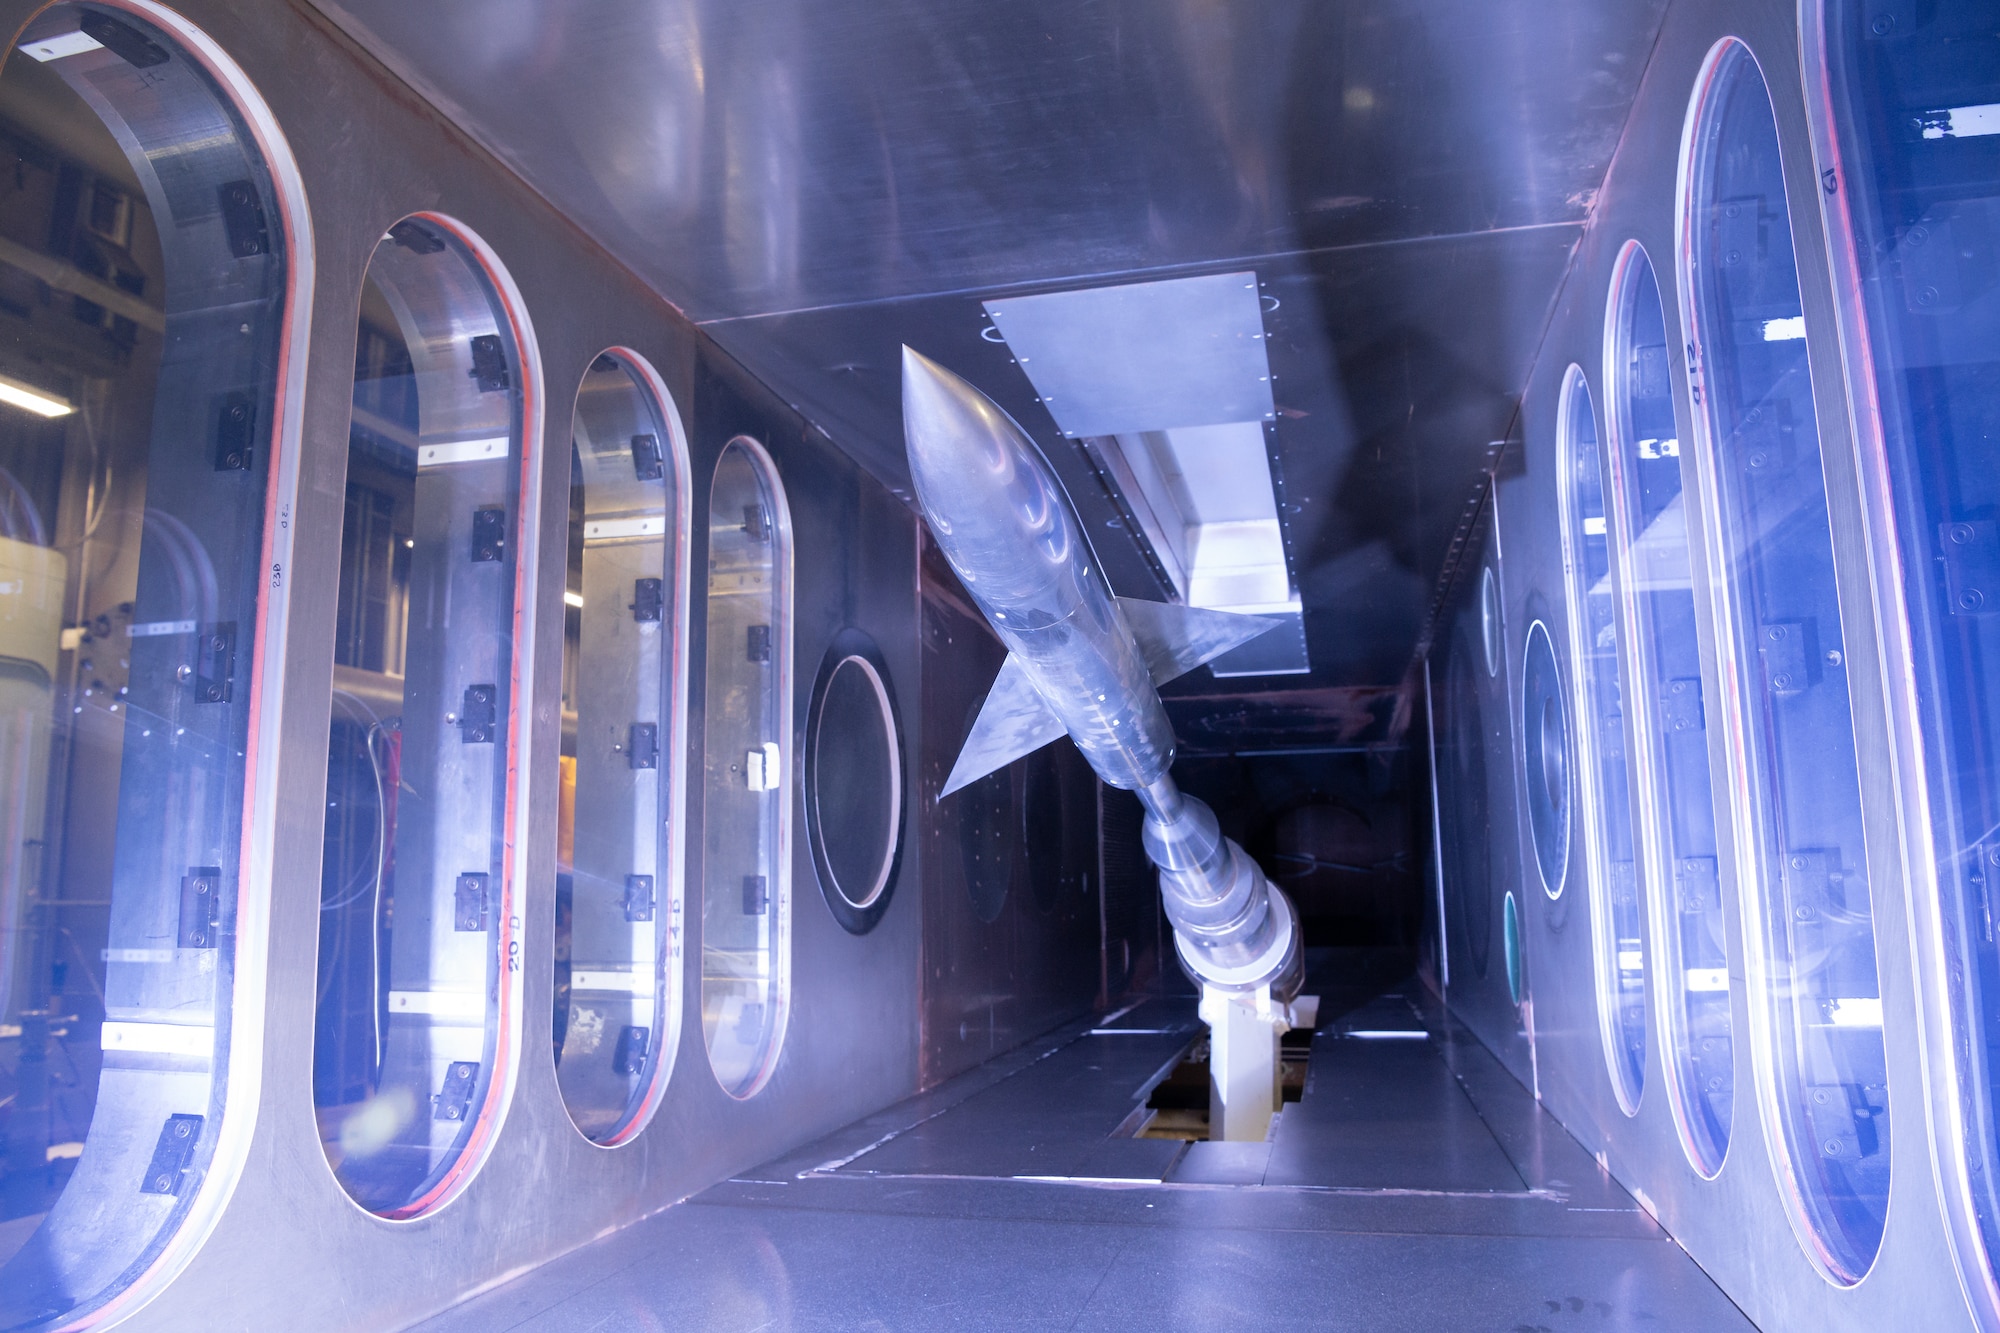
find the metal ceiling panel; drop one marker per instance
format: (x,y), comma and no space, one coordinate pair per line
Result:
(754,156)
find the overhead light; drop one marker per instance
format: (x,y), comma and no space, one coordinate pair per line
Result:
(16,394)
(574,599)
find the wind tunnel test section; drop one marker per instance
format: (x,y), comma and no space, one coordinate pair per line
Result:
(1076,665)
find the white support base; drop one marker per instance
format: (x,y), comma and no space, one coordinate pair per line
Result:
(1245,1070)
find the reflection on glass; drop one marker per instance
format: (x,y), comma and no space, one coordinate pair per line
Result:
(1650,532)
(1801,828)
(1618,917)
(617,943)
(140,319)
(1914,91)
(746,883)
(415,913)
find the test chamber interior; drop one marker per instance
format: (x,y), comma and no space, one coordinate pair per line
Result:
(1542,468)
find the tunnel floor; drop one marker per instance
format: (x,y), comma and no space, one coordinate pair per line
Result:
(1416,1186)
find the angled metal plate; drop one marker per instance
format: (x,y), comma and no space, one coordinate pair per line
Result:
(1144,355)
(1012,722)
(1175,639)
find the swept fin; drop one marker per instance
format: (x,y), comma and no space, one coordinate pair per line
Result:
(1175,639)
(1012,722)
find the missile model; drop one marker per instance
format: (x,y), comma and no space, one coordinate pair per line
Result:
(1086,664)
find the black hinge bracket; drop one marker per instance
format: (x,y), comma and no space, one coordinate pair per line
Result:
(647,465)
(454,1101)
(489,534)
(235,427)
(643,747)
(469,901)
(638,897)
(489,364)
(649,600)
(478,715)
(1680,704)
(630,1056)
(243,219)
(201,908)
(756,895)
(172,1155)
(1970,553)
(123,41)
(215,663)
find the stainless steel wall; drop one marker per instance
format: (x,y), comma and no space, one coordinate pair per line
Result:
(1738,1226)
(289,1248)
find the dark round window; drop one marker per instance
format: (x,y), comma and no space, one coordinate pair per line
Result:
(854,781)
(1545,724)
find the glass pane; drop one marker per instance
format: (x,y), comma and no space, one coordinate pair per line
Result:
(1919,151)
(140,321)
(415,919)
(746,884)
(1618,917)
(617,940)
(1801,851)
(1670,769)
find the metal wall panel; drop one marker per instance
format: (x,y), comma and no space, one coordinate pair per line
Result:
(289,1247)
(1737,1226)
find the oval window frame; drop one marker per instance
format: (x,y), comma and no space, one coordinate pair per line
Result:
(1628,1081)
(781,648)
(1706,1152)
(509,941)
(1731,68)
(242,1079)
(670,911)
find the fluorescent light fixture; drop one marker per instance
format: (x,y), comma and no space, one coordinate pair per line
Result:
(55,48)
(1962,122)
(574,599)
(1857,1013)
(1784,330)
(1386,1034)
(16,394)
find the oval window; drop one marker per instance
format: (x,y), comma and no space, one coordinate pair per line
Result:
(1466,797)
(148,260)
(1799,852)
(747,742)
(1604,797)
(1545,729)
(854,781)
(1649,531)
(1913,158)
(419,927)
(618,864)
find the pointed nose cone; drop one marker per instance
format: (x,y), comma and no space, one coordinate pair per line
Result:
(958,441)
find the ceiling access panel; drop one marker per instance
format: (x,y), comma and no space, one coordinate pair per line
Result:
(1392,369)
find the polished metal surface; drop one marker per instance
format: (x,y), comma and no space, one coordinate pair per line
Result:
(281,1245)
(819,185)
(997,515)
(1742,1225)
(1415,1187)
